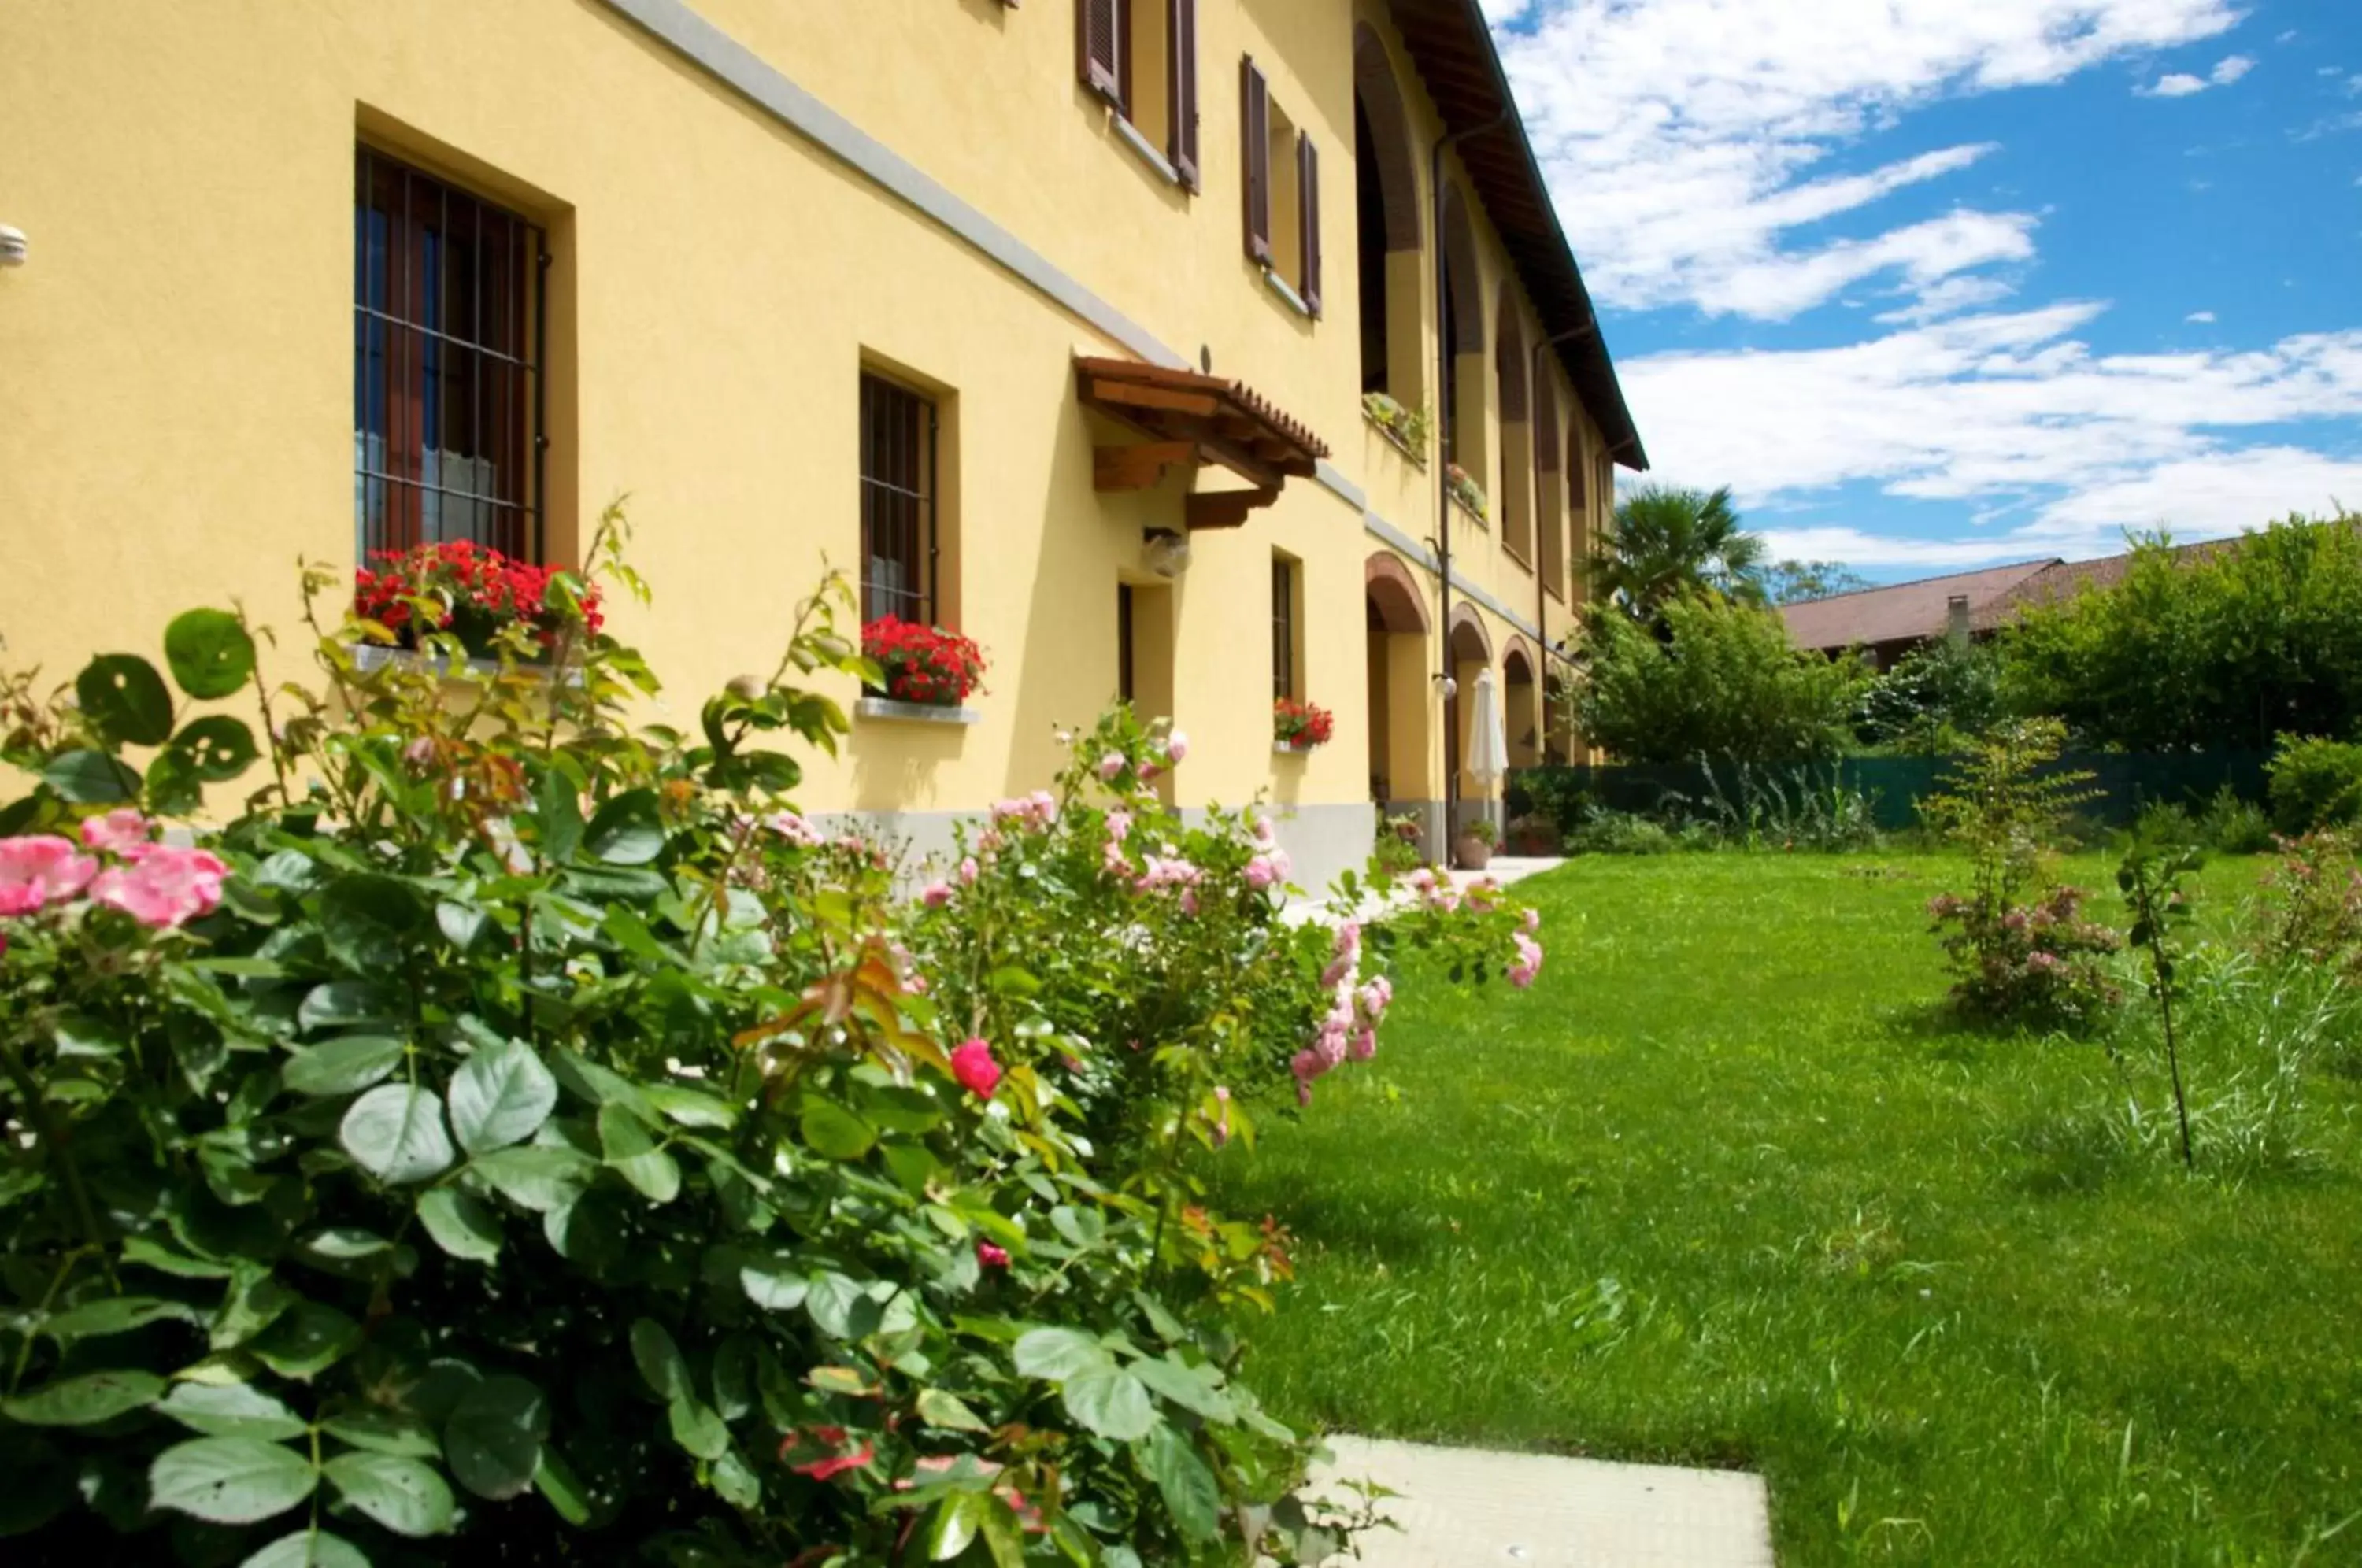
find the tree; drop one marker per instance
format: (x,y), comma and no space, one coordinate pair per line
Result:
(1938,698)
(1668,542)
(2226,648)
(1714,678)
(1799,582)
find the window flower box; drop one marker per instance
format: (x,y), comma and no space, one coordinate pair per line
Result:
(1466,491)
(471,593)
(1300,726)
(920,667)
(1408,428)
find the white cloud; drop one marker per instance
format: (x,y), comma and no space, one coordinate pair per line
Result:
(2180,83)
(2011,411)
(2203,317)
(1681,138)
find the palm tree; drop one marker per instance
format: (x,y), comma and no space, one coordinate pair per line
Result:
(1670,541)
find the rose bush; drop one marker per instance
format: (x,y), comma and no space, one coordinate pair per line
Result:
(519,1125)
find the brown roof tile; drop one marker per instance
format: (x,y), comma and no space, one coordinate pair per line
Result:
(1903,611)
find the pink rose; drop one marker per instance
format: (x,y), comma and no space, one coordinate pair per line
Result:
(1533,919)
(973,1065)
(118,830)
(936,895)
(1111,765)
(165,885)
(1262,872)
(991,1256)
(1364,1045)
(42,869)
(967,872)
(1148,772)
(1176,747)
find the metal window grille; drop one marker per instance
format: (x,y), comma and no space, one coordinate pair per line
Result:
(1283,628)
(898,504)
(449,326)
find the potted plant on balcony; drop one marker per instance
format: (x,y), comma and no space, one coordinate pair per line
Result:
(1465,490)
(923,665)
(466,590)
(1300,726)
(1408,428)
(1473,850)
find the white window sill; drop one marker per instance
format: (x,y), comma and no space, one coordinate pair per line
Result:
(1477,517)
(1279,286)
(1284,748)
(369,658)
(1129,134)
(887,709)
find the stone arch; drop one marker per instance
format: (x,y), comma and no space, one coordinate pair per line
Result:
(1471,644)
(1462,400)
(1377,96)
(1518,661)
(1521,701)
(1397,603)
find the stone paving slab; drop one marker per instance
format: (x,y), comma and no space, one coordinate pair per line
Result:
(1482,1509)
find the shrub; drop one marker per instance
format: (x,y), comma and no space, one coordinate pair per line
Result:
(2316,783)
(2021,950)
(2232,825)
(1936,700)
(1397,848)
(519,1106)
(2309,913)
(1723,681)
(1301,724)
(2211,648)
(1600,831)
(922,664)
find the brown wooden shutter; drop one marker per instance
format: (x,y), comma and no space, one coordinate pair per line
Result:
(1181,66)
(1307,193)
(1254,115)
(1097,56)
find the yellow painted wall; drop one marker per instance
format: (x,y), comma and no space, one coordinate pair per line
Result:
(176,361)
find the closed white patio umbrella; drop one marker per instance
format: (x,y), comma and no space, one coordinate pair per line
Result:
(1488,735)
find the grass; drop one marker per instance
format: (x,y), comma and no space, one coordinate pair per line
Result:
(1728,1188)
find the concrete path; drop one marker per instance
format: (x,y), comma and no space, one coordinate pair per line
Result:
(1503,869)
(1466,1506)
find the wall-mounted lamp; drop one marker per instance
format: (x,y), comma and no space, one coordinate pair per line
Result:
(1450,686)
(14,247)
(1164,552)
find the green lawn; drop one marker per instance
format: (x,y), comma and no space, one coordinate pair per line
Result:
(1725,1188)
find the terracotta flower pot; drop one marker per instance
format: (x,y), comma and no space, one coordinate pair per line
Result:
(1471,853)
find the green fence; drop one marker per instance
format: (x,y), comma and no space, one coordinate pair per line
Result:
(2126,782)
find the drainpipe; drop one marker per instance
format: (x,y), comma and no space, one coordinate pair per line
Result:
(1443,144)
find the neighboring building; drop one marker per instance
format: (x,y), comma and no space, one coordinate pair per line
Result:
(1884,624)
(988,302)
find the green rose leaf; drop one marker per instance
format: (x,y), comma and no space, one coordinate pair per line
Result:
(306,1341)
(117,1315)
(500,1095)
(461,1223)
(698,1429)
(231,1409)
(1059,1353)
(384,1431)
(1191,1387)
(344,1003)
(557,810)
(342,1066)
(402,1495)
(494,1437)
(125,700)
(948,1412)
(635,1154)
(1187,1482)
(215,748)
(737,1481)
(367,920)
(1110,1402)
(833,1131)
(210,653)
(308,1548)
(627,830)
(660,1362)
(395,1134)
(841,1308)
(230,1480)
(90,777)
(954,1528)
(83,1401)
(544,1179)
(774,1285)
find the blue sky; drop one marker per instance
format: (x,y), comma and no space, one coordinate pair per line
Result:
(1937,283)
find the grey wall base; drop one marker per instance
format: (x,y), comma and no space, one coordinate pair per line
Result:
(1321,840)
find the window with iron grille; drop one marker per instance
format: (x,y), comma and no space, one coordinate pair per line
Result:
(1282,628)
(897,503)
(447,330)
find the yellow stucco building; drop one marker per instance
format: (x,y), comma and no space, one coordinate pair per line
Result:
(1055,322)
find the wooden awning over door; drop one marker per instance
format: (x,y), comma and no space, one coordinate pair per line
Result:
(1185,418)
